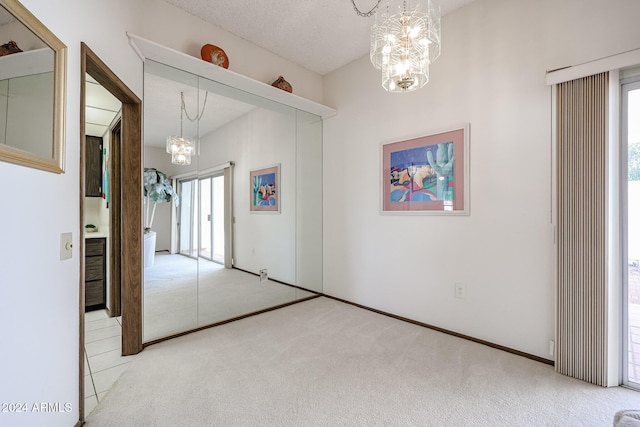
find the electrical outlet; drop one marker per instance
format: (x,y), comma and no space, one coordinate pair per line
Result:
(263,275)
(460,290)
(552,348)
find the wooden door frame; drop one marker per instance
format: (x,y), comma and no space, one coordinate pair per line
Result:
(115,218)
(130,208)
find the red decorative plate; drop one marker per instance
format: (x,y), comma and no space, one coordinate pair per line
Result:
(215,55)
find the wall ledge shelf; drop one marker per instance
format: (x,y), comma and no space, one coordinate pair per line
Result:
(147,49)
(27,63)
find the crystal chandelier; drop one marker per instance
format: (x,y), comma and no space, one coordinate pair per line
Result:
(405,40)
(180,147)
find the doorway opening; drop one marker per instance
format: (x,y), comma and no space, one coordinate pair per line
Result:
(128,196)
(115,244)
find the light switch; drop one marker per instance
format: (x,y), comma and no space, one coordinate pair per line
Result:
(66,246)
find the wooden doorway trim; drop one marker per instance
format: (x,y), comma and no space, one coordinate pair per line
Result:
(130,226)
(115,221)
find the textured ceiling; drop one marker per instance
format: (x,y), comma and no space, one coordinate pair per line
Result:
(320,35)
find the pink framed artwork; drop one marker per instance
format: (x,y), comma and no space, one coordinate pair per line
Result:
(428,174)
(265,189)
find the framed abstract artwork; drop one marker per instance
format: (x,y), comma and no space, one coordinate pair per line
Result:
(427,175)
(265,189)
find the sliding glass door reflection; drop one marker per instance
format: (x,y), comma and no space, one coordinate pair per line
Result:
(212,218)
(631,232)
(186,218)
(205,249)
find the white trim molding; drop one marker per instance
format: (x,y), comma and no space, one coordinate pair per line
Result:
(618,61)
(147,49)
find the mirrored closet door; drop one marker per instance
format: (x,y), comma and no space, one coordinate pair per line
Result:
(240,230)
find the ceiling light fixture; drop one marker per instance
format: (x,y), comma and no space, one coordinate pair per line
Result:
(405,40)
(180,147)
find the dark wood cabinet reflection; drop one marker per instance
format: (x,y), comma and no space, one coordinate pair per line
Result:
(93,168)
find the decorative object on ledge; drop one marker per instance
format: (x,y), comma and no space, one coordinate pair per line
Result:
(9,48)
(149,50)
(215,55)
(281,83)
(405,40)
(427,175)
(90,228)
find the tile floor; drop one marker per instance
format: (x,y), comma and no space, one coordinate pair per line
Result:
(103,363)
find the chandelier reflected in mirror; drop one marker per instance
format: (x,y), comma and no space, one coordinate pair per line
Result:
(405,40)
(180,147)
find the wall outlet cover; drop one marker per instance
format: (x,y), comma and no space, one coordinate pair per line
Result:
(263,275)
(66,246)
(460,290)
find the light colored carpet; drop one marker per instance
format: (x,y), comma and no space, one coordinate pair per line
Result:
(325,363)
(181,293)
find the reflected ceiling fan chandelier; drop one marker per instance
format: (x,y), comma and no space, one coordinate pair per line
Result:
(405,40)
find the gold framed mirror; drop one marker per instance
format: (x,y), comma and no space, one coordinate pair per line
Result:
(32,90)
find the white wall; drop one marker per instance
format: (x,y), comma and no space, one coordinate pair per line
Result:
(29,112)
(39,305)
(492,75)
(259,139)
(19,33)
(40,321)
(309,201)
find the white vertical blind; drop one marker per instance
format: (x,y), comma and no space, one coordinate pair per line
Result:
(582,227)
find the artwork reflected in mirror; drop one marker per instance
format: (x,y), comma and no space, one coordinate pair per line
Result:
(32,76)
(265,189)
